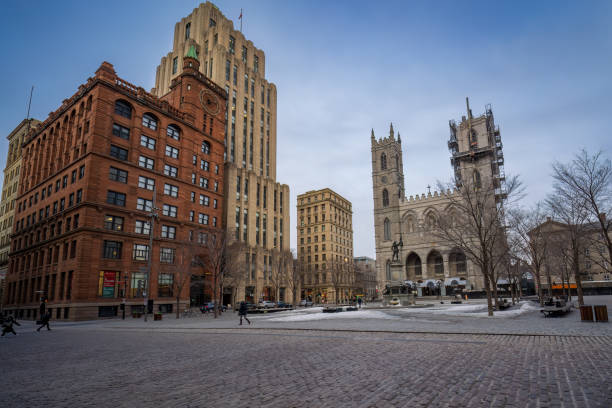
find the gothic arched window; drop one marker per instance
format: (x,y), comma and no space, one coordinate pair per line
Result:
(385,198)
(397,162)
(387,230)
(477,182)
(383,161)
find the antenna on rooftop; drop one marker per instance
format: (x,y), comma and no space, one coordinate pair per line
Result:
(29,105)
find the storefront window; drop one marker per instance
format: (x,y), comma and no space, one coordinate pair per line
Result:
(165,284)
(139,283)
(108,284)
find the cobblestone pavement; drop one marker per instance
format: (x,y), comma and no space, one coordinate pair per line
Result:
(112,365)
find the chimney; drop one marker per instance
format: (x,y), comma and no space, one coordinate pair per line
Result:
(602,217)
(548,219)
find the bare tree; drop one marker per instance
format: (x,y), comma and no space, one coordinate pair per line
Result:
(181,270)
(220,256)
(530,240)
(474,223)
(277,271)
(292,275)
(338,274)
(572,212)
(588,179)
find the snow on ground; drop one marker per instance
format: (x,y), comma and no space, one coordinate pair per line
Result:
(477,310)
(470,310)
(360,314)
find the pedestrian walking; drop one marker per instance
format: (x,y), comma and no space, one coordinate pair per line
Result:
(7,325)
(359,301)
(243,312)
(44,321)
(43,307)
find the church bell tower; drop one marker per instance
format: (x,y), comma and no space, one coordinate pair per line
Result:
(388,186)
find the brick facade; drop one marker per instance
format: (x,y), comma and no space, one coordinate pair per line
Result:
(82,208)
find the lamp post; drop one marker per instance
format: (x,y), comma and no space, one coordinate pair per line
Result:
(152,215)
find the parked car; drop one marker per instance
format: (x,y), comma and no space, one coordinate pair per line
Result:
(266,304)
(305,303)
(283,304)
(210,306)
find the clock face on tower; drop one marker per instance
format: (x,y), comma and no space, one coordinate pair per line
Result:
(210,102)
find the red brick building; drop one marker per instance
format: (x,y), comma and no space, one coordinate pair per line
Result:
(90,174)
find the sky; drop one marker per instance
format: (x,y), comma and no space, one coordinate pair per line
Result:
(343,68)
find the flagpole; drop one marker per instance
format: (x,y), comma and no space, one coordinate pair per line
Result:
(241,20)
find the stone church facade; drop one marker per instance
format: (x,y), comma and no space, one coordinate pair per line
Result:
(433,265)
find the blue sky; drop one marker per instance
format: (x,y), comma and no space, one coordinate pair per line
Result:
(344,67)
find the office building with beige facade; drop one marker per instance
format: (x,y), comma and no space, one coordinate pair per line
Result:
(257,206)
(423,258)
(325,246)
(557,275)
(9,192)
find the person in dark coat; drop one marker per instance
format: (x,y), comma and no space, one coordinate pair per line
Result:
(43,308)
(45,321)
(243,312)
(7,326)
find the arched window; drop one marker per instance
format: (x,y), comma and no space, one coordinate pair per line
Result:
(383,161)
(149,121)
(205,147)
(388,270)
(397,162)
(174,132)
(410,224)
(435,264)
(385,198)
(431,221)
(88,106)
(457,263)
(387,230)
(476,179)
(187,30)
(413,266)
(123,108)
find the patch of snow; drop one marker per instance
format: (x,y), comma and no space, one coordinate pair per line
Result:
(478,310)
(360,314)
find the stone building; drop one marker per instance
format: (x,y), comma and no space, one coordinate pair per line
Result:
(366,279)
(423,258)
(257,208)
(325,245)
(593,259)
(95,174)
(9,193)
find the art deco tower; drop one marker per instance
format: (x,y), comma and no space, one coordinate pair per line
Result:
(257,207)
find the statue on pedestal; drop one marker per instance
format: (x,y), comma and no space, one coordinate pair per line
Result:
(395,249)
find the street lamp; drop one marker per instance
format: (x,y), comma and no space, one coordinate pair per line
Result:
(152,216)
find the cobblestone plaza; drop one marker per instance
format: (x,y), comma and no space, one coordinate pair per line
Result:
(363,360)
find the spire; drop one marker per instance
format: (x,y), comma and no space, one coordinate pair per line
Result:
(391,131)
(372,135)
(192,53)
(399,138)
